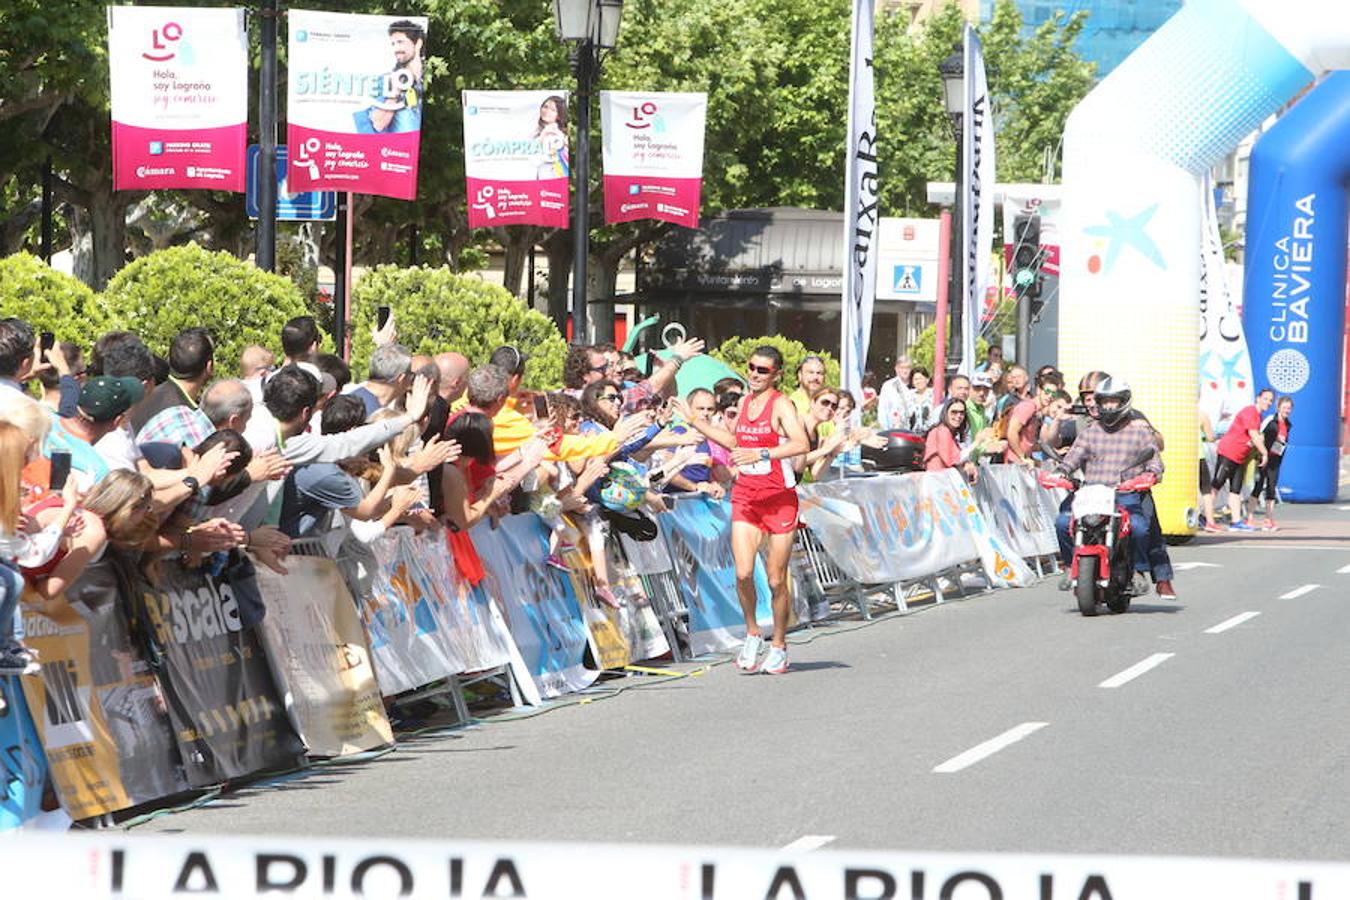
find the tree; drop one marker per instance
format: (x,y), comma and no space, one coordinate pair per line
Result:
(49,300)
(736,352)
(437,310)
(159,295)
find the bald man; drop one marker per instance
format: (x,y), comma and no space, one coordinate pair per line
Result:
(254,365)
(454,369)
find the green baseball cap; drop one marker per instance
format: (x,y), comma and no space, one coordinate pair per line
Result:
(104,398)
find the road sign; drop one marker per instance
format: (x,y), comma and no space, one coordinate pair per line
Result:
(908,279)
(306,206)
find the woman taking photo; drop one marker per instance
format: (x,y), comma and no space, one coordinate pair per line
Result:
(942,447)
(768,435)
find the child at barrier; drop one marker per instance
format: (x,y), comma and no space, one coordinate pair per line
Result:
(22,543)
(768,435)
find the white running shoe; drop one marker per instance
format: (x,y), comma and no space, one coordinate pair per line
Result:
(748,660)
(776,663)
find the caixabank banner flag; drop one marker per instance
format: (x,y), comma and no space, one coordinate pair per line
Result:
(179,97)
(653,153)
(515,157)
(355,101)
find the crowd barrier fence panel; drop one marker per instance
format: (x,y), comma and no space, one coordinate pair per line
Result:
(228,717)
(652,562)
(98,710)
(699,543)
(23,766)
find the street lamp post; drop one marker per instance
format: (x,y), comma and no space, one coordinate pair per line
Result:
(592,27)
(953,70)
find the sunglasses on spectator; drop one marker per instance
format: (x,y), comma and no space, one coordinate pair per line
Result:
(603,367)
(610,397)
(956,412)
(829,404)
(759,370)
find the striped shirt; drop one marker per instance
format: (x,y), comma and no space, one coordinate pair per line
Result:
(1110,457)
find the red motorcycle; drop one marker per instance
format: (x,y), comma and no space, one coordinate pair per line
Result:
(1102,568)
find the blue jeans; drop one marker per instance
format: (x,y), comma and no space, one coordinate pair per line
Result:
(1146,540)
(11,588)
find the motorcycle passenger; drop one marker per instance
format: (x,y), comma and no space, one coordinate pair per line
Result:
(1109,451)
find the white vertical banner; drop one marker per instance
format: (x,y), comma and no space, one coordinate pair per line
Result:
(1225,364)
(977,200)
(861,212)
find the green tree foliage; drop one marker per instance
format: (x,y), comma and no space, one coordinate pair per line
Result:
(49,300)
(159,295)
(736,352)
(437,310)
(922,352)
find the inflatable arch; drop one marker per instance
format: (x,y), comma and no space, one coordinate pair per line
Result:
(1134,152)
(1294,295)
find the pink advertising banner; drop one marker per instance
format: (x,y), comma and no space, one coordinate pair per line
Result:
(515,158)
(355,100)
(653,154)
(179,97)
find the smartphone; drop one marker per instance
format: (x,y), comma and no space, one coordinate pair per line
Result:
(648,364)
(60,469)
(47,341)
(540,407)
(382,317)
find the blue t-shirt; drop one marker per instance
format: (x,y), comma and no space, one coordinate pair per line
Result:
(83,457)
(372,403)
(699,473)
(311,491)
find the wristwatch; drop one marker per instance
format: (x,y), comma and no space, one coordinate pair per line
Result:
(764,454)
(193,484)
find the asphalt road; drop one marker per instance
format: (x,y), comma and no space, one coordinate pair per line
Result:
(1214,725)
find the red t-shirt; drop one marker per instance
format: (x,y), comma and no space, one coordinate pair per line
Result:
(940,449)
(1026,439)
(1236,443)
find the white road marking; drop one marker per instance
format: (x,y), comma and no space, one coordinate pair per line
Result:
(1136,670)
(808,842)
(1232,623)
(1300,591)
(1343,570)
(1343,508)
(1187,566)
(988,748)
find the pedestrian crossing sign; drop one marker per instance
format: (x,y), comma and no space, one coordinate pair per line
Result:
(907,279)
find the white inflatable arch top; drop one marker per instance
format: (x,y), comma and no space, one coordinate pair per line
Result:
(1134,151)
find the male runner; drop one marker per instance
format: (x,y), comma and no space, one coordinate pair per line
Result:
(768,435)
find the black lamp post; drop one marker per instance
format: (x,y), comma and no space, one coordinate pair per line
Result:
(953,71)
(592,27)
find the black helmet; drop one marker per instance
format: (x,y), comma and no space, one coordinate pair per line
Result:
(1113,389)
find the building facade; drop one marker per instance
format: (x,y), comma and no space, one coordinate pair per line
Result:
(1113,30)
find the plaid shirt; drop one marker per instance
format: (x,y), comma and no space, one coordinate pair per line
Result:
(1108,457)
(177,425)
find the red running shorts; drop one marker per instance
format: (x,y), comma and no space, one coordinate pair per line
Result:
(774,514)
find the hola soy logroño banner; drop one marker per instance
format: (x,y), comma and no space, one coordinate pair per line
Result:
(179,82)
(515,158)
(355,97)
(653,155)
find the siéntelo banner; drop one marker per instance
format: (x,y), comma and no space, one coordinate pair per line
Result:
(179,82)
(653,155)
(355,98)
(515,158)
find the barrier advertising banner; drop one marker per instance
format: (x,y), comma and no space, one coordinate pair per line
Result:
(227,715)
(515,158)
(354,102)
(317,650)
(698,531)
(23,768)
(98,707)
(618,636)
(541,609)
(179,79)
(653,155)
(423,621)
(1020,510)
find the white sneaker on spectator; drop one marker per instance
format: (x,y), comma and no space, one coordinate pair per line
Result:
(776,663)
(748,660)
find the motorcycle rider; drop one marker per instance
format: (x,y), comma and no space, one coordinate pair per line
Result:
(1109,452)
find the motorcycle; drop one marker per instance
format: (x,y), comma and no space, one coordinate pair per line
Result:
(1103,562)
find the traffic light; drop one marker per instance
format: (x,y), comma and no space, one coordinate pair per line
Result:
(1026,263)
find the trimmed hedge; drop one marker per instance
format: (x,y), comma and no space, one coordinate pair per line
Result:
(50,301)
(735,352)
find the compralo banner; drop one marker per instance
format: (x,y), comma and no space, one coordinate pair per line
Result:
(515,158)
(354,102)
(179,97)
(653,155)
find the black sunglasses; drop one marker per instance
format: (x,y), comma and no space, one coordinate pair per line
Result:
(759,370)
(829,404)
(615,397)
